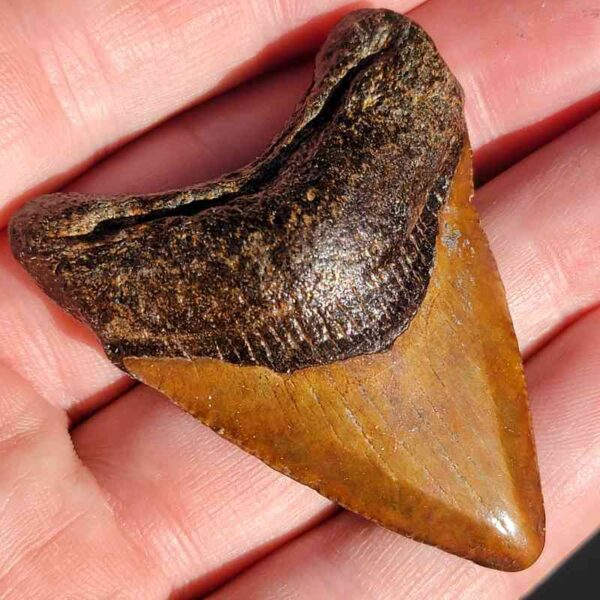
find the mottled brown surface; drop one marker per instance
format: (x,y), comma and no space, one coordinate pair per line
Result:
(320,250)
(431,439)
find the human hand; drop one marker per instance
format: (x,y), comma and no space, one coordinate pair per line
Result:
(109,490)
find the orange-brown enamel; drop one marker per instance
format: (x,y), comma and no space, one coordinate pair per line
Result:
(431,438)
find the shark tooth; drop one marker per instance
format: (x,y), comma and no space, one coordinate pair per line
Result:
(333,308)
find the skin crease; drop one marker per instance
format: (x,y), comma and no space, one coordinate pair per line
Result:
(152,502)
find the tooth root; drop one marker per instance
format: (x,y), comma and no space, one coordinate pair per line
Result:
(431,438)
(215,269)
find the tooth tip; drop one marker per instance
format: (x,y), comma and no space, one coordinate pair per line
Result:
(521,556)
(518,546)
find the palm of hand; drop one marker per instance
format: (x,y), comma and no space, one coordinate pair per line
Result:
(139,500)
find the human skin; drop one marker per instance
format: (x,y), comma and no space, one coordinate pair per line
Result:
(108,490)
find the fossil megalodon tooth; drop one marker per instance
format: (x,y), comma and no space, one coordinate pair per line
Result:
(333,308)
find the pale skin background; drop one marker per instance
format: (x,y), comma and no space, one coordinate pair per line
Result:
(109,491)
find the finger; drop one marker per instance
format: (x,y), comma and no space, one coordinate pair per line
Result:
(191,148)
(350,558)
(105,444)
(78,78)
(59,537)
(542,219)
